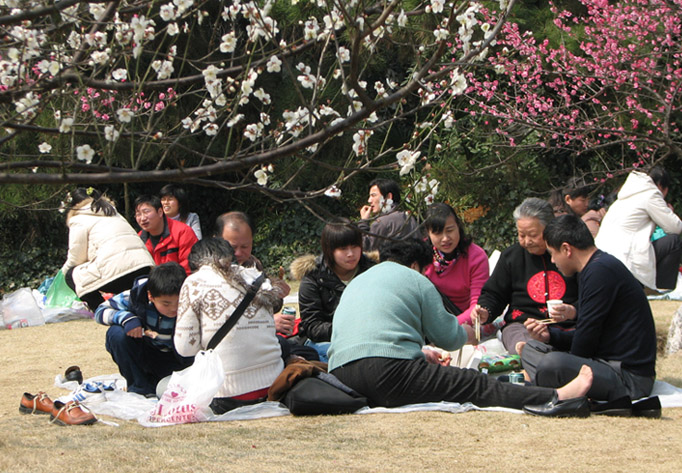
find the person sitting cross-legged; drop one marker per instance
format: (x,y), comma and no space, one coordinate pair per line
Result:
(614,333)
(142,323)
(379,329)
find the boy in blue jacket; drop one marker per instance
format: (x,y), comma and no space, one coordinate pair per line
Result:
(142,324)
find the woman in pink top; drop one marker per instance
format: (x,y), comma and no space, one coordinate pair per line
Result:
(459,268)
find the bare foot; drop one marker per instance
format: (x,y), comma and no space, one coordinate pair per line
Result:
(578,386)
(519,347)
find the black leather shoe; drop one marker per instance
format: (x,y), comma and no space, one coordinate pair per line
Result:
(73,373)
(621,407)
(576,407)
(649,407)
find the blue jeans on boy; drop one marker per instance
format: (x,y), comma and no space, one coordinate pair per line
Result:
(141,364)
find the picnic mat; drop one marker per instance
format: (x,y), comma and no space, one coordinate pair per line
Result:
(114,401)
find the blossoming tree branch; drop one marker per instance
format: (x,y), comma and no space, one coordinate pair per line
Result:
(610,89)
(228,92)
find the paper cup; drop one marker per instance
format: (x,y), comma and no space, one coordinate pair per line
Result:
(553,303)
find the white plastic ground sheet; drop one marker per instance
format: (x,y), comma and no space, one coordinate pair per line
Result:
(114,401)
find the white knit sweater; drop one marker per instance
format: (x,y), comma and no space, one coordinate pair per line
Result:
(250,352)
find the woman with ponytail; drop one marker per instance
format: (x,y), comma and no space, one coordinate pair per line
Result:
(105,252)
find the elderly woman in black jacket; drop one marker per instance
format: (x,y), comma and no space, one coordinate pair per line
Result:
(324,279)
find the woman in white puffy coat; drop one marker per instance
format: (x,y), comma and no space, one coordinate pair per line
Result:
(105,252)
(627,227)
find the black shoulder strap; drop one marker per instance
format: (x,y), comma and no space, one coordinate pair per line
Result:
(234,318)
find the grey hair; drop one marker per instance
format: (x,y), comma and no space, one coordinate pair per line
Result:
(533,207)
(214,252)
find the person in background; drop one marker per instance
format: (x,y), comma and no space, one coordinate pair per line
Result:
(324,278)
(525,278)
(250,353)
(165,238)
(459,268)
(175,202)
(142,323)
(629,223)
(572,199)
(105,254)
(382,220)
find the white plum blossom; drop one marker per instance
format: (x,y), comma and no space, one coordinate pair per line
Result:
(261,176)
(211,129)
(253,131)
(386,205)
(211,74)
(234,120)
(458,83)
(344,54)
(360,139)
(110,133)
(65,125)
(163,69)
(406,160)
(249,81)
(402,18)
(437,6)
(311,29)
(172,29)
(229,43)
(125,115)
(267,28)
(448,120)
(26,105)
(263,96)
(333,21)
(45,147)
(85,153)
(119,74)
(183,5)
(441,34)
(99,57)
(274,64)
(333,192)
(167,12)
(265,118)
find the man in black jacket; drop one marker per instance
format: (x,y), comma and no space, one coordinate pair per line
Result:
(614,333)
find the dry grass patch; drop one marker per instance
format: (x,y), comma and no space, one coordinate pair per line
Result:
(422,442)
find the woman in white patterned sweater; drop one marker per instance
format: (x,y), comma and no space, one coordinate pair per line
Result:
(250,352)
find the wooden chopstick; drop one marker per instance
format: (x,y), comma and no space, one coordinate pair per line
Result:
(548,321)
(477,330)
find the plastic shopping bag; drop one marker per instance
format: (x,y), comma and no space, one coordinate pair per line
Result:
(19,309)
(59,294)
(189,393)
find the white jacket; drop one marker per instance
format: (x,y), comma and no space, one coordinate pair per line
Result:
(250,352)
(626,229)
(101,248)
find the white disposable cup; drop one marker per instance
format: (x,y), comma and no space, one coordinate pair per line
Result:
(551,304)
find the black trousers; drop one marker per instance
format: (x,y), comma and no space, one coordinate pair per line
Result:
(94,299)
(550,368)
(390,382)
(668,250)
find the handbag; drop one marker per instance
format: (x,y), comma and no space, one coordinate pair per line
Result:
(317,396)
(190,391)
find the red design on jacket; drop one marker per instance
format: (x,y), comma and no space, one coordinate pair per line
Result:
(554,285)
